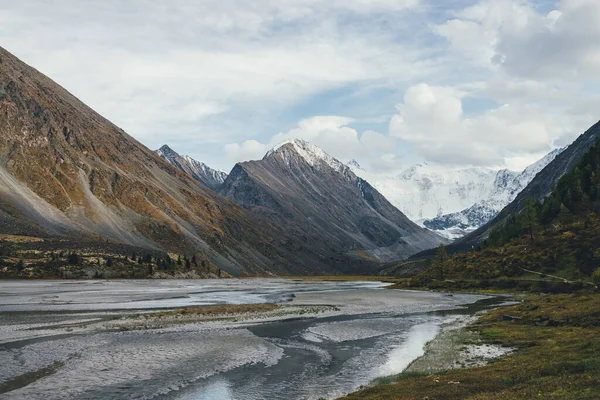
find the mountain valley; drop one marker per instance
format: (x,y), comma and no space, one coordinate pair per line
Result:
(69,173)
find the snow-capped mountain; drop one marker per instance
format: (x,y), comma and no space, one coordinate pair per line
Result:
(312,154)
(425,191)
(354,165)
(453,202)
(211,178)
(506,188)
(539,188)
(299,186)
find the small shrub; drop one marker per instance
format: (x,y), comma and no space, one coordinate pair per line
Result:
(596,276)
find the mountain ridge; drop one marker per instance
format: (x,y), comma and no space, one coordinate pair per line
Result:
(209,177)
(304,188)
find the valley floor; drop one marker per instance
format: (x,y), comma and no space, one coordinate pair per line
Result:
(212,339)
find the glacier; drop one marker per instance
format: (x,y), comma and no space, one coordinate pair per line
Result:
(452,202)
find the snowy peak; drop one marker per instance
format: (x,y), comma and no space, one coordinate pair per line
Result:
(530,172)
(313,155)
(426,191)
(355,166)
(507,185)
(201,172)
(166,152)
(443,175)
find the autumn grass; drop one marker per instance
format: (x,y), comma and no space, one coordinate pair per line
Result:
(20,238)
(558,357)
(215,310)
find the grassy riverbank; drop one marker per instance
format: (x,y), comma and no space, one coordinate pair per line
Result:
(557,338)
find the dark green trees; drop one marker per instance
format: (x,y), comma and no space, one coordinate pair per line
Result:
(441,256)
(73,258)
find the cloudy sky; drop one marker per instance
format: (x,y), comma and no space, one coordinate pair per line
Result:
(494,83)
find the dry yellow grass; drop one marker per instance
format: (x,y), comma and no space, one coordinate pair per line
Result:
(20,239)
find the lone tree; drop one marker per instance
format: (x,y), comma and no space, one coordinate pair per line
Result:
(73,258)
(441,256)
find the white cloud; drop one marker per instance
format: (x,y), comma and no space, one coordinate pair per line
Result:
(512,34)
(432,120)
(542,67)
(331,133)
(167,67)
(248,150)
(468,37)
(564,44)
(503,81)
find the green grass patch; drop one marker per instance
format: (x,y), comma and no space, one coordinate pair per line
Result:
(386,380)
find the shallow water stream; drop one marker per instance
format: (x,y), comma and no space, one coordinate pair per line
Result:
(55,341)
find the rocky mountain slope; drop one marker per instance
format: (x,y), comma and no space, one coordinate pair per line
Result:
(507,185)
(211,178)
(67,171)
(309,192)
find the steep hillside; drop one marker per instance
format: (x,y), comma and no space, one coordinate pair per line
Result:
(66,170)
(324,202)
(211,178)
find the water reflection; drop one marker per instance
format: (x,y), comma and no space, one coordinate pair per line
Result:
(401,356)
(218,390)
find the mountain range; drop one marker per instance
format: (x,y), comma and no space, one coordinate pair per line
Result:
(453,202)
(67,172)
